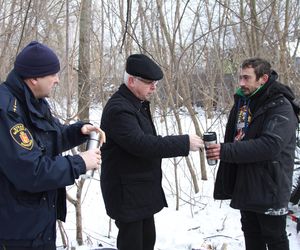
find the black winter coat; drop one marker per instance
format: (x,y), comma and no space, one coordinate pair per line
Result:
(131,158)
(33,175)
(256,173)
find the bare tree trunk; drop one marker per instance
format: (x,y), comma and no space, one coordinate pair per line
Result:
(63,234)
(79,237)
(84,60)
(282,35)
(67,75)
(60,224)
(254,29)
(83,94)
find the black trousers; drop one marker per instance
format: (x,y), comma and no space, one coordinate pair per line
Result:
(45,247)
(137,235)
(262,231)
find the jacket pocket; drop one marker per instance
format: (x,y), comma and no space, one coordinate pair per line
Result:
(31,200)
(225,181)
(266,191)
(137,190)
(272,175)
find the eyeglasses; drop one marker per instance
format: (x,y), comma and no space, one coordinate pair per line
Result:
(148,82)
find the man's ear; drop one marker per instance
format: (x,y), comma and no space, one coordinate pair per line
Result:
(31,81)
(265,78)
(130,81)
(34,80)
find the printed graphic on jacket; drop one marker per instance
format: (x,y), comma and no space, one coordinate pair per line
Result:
(243,120)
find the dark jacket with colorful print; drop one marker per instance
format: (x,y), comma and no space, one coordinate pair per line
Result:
(256,172)
(131,172)
(33,174)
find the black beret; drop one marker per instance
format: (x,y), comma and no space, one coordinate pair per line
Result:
(142,66)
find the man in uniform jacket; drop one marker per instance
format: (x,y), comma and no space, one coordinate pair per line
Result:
(131,172)
(257,157)
(33,174)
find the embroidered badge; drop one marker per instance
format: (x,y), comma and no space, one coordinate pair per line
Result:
(22,136)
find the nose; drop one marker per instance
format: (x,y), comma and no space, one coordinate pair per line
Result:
(242,81)
(56,78)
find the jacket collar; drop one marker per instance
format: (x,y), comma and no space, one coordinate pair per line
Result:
(36,110)
(22,92)
(124,91)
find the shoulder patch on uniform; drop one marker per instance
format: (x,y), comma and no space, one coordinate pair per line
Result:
(22,136)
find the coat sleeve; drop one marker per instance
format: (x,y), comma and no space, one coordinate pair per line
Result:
(278,132)
(123,127)
(27,166)
(71,135)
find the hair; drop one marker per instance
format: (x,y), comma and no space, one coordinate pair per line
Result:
(125,78)
(259,65)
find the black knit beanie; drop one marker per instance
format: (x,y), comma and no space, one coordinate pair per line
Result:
(36,60)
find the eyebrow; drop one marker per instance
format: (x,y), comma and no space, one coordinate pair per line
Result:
(246,74)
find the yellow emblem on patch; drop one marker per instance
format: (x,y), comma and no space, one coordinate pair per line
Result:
(22,136)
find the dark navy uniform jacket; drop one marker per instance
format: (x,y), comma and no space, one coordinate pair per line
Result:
(131,172)
(33,174)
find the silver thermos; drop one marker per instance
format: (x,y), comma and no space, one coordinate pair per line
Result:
(92,143)
(210,138)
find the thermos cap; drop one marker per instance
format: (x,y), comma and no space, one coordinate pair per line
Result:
(209,136)
(94,135)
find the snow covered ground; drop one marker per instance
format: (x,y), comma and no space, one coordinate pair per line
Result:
(203,223)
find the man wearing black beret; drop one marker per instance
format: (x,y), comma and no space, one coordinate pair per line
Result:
(33,173)
(131,172)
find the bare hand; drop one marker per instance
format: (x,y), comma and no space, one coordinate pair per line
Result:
(91,158)
(213,151)
(196,143)
(86,129)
